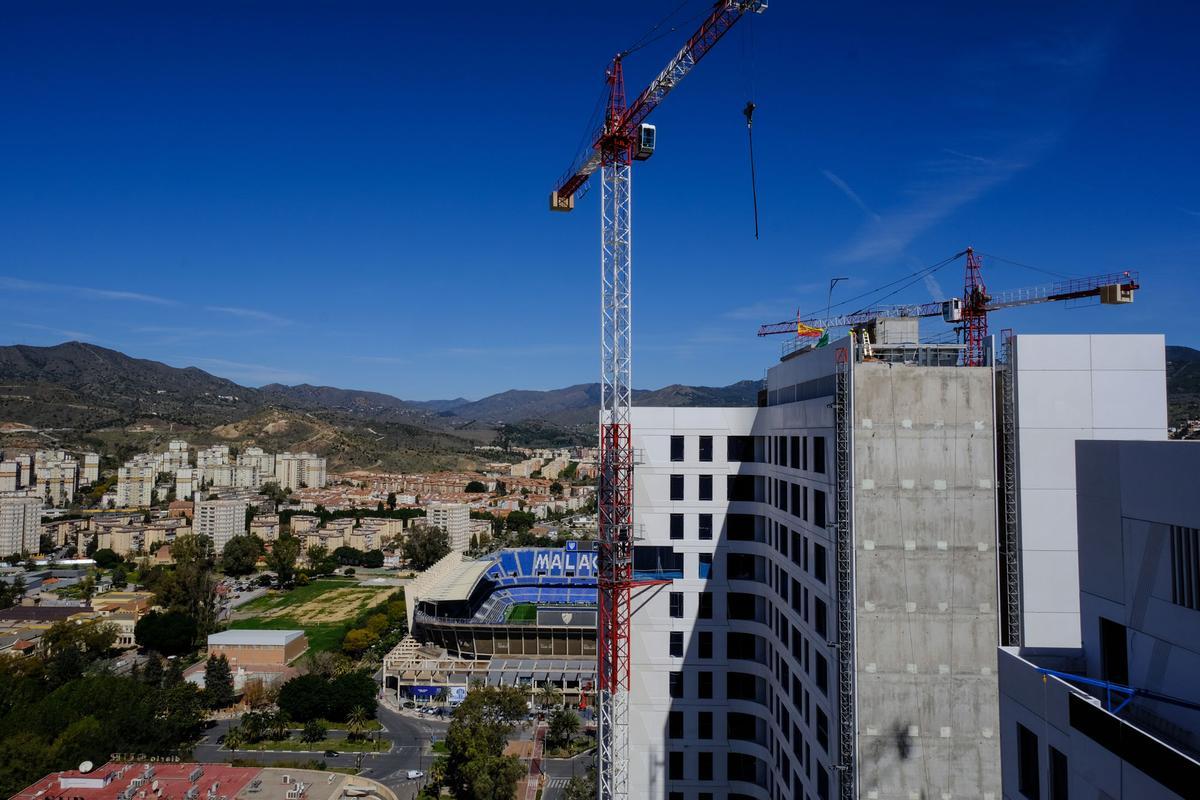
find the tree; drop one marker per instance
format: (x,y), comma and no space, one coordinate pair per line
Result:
(119,579)
(377,624)
(425,546)
(520,521)
(271,490)
(235,738)
(45,543)
(581,787)
(556,488)
(174,676)
(474,545)
(218,682)
(358,640)
(373,559)
(282,558)
(549,696)
(240,555)
(313,731)
(476,766)
(352,689)
(256,693)
(153,674)
(172,633)
(304,698)
(475,487)
(194,586)
(356,723)
(391,501)
(564,724)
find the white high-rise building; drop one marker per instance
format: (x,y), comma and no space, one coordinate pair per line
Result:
(56,477)
(243,476)
(25,462)
(135,483)
(454,519)
(90,472)
(300,470)
(836,589)
(187,482)
(20,522)
(220,520)
(213,456)
(262,461)
(10,476)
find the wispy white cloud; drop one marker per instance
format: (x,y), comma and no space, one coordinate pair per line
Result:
(21,285)
(969,156)
(250,313)
(845,189)
(63,332)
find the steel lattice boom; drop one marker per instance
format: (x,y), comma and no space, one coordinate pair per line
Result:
(621,140)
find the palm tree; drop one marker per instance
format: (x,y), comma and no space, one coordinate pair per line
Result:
(356,723)
(549,696)
(234,739)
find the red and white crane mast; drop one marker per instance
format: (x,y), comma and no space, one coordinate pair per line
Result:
(622,139)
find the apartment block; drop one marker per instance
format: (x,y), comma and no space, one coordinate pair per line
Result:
(258,459)
(56,476)
(300,470)
(10,476)
(20,522)
(135,483)
(220,520)
(239,476)
(187,482)
(454,519)
(1119,715)
(213,456)
(90,470)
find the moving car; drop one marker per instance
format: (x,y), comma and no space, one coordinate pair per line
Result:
(413,774)
(332,754)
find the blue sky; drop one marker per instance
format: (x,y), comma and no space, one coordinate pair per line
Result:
(355,194)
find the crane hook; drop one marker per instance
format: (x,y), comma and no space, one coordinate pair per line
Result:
(749,112)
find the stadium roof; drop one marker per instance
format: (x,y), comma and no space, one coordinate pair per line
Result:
(456,582)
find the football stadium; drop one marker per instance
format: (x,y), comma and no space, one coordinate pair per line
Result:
(515,617)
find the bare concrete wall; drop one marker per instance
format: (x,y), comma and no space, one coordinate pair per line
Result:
(924,527)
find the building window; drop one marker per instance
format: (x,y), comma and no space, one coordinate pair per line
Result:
(818,459)
(706,487)
(705,726)
(704,644)
(819,563)
(677,526)
(818,509)
(820,623)
(704,685)
(705,766)
(705,526)
(674,795)
(1029,781)
(676,604)
(675,765)
(706,448)
(822,674)
(675,725)
(822,784)
(675,684)
(823,730)
(705,609)
(804,453)
(1114,654)
(1059,782)
(705,564)
(1185,567)
(795,446)
(739,448)
(677,448)
(676,487)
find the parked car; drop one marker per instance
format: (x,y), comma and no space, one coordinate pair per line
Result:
(413,774)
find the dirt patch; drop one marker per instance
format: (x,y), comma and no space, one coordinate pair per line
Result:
(335,605)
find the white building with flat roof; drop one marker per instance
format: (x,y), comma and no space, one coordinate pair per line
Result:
(10,476)
(20,523)
(135,483)
(89,472)
(300,470)
(1118,716)
(454,519)
(220,520)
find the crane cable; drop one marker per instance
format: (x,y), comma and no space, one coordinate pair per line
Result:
(749,112)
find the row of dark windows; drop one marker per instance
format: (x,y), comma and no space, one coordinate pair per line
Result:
(704,487)
(704,450)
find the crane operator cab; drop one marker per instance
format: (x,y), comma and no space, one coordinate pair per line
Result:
(643,147)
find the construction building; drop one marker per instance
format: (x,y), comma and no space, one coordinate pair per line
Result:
(20,523)
(1119,715)
(454,519)
(220,520)
(841,566)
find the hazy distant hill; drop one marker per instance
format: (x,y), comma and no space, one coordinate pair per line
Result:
(1183,383)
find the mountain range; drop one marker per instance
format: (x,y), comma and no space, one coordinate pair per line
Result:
(81,394)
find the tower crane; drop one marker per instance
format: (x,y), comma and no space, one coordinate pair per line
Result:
(971,310)
(624,137)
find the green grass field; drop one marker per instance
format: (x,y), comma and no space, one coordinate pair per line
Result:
(522,612)
(324,610)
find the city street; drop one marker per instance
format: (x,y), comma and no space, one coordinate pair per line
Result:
(560,770)
(408,734)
